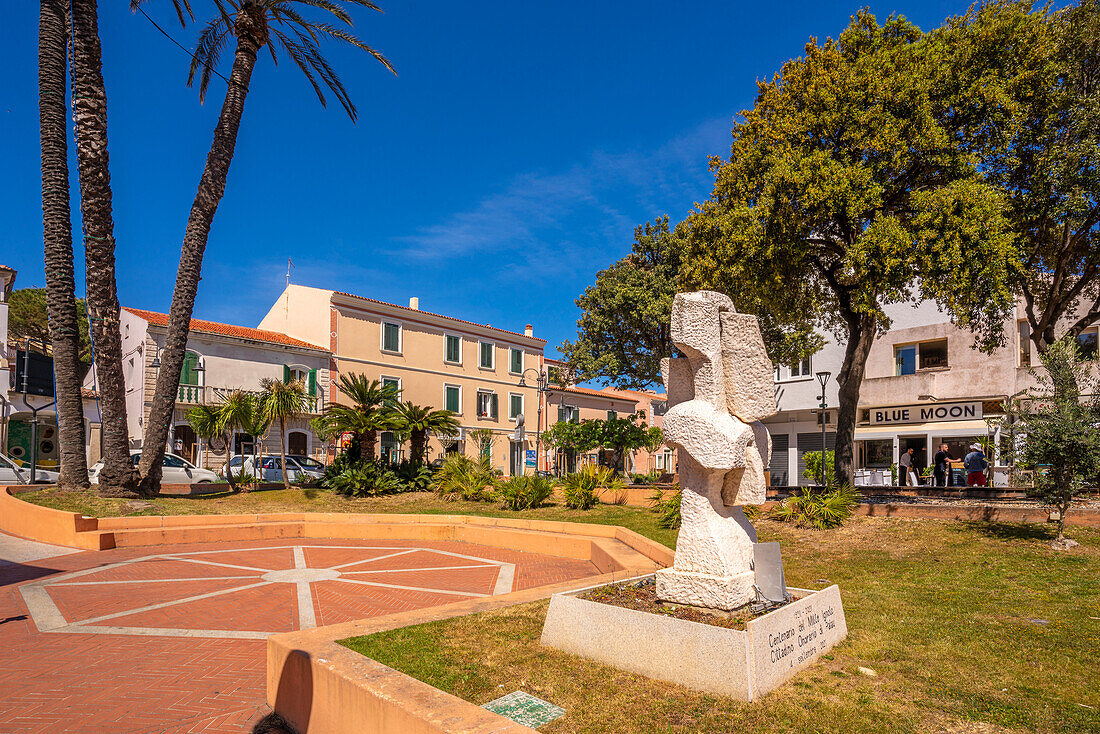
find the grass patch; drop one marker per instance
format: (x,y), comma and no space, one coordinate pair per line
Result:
(950,616)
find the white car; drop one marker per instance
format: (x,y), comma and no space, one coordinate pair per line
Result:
(12,473)
(302,469)
(174,471)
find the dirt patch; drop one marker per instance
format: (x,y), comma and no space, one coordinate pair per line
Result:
(642,596)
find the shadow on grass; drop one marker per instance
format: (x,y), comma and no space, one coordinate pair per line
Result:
(1008,530)
(272,724)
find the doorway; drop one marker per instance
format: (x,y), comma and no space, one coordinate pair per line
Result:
(920,458)
(186,443)
(296,443)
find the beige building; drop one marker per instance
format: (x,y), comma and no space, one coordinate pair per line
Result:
(440,361)
(220,359)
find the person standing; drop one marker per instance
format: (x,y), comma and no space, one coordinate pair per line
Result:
(939,466)
(975,465)
(905,464)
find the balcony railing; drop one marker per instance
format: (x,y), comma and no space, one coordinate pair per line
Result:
(209,395)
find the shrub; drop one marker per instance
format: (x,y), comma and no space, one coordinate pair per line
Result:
(368,479)
(813,468)
(461,477)
(582,489)
(523,493)
(648,478)
(667,507)
(415,475)
(821,510)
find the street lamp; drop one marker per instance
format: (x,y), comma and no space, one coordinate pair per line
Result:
(823,378)
(542,385)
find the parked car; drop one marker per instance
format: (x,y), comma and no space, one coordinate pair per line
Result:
(12,473)
(302,469)
(175,470)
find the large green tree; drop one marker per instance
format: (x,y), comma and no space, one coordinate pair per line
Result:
(249,27)
(28,317)
(624,330)
(1027,85)
(846,191)
(371,408)
(419,421)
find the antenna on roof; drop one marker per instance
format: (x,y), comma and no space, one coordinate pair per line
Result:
(289,265)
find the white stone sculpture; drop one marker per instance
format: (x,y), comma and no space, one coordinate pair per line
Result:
(717,395)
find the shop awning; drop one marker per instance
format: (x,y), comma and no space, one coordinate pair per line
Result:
(937,428)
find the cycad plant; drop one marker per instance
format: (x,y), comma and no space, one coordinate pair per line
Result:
(419,421)
(371,410)
(248,27)
(464,478)
(279,402)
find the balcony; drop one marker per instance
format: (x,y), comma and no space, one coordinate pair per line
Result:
(189,395)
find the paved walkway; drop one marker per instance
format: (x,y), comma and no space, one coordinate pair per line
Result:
(171,638)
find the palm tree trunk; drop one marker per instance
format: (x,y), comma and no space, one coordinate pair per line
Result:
(117,479)
(57,240)
(282,451)
(251,31)
(367,442)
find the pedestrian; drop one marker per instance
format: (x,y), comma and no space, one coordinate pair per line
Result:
(906,465)
(939,466)
(975,465)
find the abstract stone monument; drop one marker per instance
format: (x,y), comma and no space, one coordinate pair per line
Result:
(717,395)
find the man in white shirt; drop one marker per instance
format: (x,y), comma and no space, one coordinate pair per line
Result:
(905,464)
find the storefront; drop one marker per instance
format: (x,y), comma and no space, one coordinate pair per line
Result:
(885,433)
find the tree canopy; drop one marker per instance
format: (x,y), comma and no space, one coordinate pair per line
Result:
(846,191)
(27,318)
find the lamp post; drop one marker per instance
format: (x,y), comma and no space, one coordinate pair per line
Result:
(542,385)
(823,378)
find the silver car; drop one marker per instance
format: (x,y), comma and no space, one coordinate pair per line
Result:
(175,470)
(12,473)
(302,469)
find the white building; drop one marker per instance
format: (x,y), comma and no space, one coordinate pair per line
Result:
(220,358)
(924,384)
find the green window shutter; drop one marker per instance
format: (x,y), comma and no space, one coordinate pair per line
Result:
(493,406)
(561,414)
(286,374)
(312,383)
(187,374)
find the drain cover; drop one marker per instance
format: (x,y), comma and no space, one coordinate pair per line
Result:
(523,708)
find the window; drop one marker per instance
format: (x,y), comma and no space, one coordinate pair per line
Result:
(928,355)
(391,337)
(568,413)
(612,415)
(392,382)
(452,398)
(454,349)
(486,404)
(515,405)
(905,360)
(1087,343)
(515,361)
(933,355)
(486,361)
(1024,330)
(801,368)
(174,462)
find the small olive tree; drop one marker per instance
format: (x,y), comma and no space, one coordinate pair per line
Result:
(1060,418)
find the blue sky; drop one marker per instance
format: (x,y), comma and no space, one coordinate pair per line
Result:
(506,164)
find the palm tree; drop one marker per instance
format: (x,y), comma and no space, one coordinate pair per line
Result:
(208,423)
(57,239)
(254,24)
(372,410)
(117,478)
(279,401)
(236,413)
(420,420)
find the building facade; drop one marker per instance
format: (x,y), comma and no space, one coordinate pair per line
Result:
(473,370)
(925,385)
(220,359)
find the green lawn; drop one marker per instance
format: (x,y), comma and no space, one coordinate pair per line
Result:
(969,627)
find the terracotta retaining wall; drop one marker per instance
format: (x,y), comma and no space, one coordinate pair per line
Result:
(322,687)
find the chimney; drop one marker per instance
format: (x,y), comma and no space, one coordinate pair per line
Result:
(414,303)
(528,330)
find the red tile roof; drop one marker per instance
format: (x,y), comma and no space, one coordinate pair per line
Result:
(437,315)
(611,395)
(213,327)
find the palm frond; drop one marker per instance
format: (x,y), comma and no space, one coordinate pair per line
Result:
(180,6)
(208,51)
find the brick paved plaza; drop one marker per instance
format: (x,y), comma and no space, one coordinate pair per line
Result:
(171,638)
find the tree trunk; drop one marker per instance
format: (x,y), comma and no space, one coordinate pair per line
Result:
(282,451)
(57,240)
(250,29)
(117,479)
(861,335)
(229,455)
(367,442)
(418,444)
